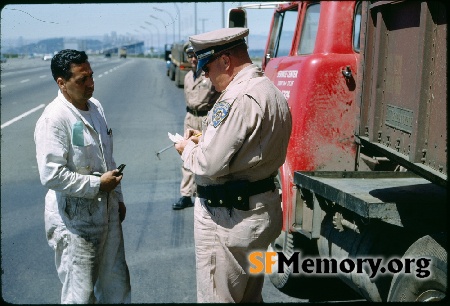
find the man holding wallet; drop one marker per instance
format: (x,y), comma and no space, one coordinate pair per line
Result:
(84,205)
(243,144)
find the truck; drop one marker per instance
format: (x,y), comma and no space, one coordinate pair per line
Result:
(123,52)
(167,56)
(365,175)
(179,63)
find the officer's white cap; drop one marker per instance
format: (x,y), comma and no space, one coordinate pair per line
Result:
(207,44)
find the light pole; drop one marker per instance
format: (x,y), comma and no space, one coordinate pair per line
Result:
(195,17)
(157,30)
(173,20)
(179,21)
(134,48)
(151,36)
(164,25)
(203,24)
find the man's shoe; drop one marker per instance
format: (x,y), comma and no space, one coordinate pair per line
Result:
(183,202)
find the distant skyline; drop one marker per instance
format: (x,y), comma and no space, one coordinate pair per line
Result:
(154,22)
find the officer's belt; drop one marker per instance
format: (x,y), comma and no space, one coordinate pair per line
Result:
(234,193)
(196,112)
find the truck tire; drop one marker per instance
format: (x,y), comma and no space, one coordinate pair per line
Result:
(178,78)
(409,288)
(172,73)
(284,243)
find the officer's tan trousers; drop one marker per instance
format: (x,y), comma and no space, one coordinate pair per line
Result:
(223,243)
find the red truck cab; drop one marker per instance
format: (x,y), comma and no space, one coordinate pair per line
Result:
(312,57)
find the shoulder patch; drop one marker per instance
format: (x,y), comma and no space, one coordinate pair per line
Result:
(220,112)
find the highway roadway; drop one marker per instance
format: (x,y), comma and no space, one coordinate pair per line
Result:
(141,105)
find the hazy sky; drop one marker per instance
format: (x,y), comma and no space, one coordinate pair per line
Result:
(38,21)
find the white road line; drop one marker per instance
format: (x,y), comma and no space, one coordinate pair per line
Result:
(42,76)
(22,116)
(24,81)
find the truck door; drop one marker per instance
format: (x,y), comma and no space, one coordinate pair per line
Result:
(282,33)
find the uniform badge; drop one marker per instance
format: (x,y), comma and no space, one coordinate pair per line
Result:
(220,112)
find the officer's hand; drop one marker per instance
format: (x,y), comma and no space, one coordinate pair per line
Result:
(122,211)
(195,139)
(179,146)
(109,180)
(190,132)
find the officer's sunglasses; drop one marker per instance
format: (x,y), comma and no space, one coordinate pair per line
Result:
(205,68)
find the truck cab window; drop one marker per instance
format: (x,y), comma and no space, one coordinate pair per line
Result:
(309,30)
(357,27)
(283,32)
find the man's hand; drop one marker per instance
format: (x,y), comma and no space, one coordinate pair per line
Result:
(189,134)
(122,211)
(109,180)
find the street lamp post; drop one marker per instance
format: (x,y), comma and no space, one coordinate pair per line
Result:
(157,30)
(179,21)
(195,17)
(170,15)
(203,24)
(151,36)
(165,28)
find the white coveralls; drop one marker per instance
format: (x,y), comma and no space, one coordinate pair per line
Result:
(245,138)
(81,222)
(200,95)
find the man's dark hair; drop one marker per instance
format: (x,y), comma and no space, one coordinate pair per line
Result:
(62,61)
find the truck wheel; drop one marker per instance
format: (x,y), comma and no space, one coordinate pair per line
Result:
(288,282)
(172,74)
(410,288)
(178,78)
(284,243)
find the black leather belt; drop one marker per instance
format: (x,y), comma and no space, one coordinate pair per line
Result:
(234,193)
(196,112)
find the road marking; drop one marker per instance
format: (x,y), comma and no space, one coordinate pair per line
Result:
(42,76)
(24,81)
(22,116)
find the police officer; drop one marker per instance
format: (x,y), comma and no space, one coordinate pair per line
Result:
(244,142)
(200,96)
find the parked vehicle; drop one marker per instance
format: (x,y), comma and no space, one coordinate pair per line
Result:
(366,169)
(47,57)
(179,64)
(167,56)
(123,52)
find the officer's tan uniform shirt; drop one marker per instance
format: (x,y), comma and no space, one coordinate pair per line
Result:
(199,93)
(237,143)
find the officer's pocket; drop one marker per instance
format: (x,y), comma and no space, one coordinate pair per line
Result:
(247,227)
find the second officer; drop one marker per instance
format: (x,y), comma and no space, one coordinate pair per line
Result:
(200,96)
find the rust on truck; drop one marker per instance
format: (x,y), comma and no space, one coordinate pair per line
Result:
(404,93)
